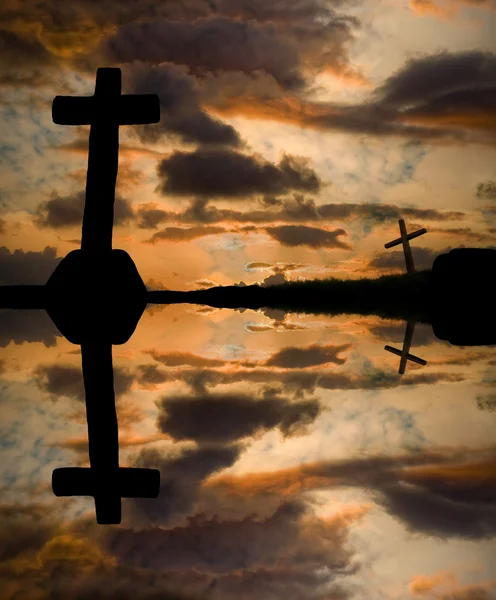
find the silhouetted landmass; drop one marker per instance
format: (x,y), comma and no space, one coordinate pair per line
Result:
(455,297)
(390,297)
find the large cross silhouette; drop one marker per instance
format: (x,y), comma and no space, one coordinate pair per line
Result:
(82,291)
(405,241)
(105,111)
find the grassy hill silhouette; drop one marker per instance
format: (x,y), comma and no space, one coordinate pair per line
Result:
(390,296)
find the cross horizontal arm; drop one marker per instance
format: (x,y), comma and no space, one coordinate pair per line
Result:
(411,357)
(131,109)
(410,236)
(126,482)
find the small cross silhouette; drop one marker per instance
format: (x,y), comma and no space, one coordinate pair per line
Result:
(405,240)
(405,352)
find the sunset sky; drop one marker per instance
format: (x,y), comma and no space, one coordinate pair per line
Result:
(295,462)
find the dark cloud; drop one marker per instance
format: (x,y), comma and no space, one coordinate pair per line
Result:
(29,326)
(181,114)
(67,211)
(446,91)
(181,476)
(27,268)
(301,235)
(148,216)
(466,234)
(181,234)
(395,333)
(176,359)
(293,382)
(395,259)
(289,358)
(23,60)
(487,402)
(424,510)
(227,174)
(281,11)
(291,210)
(427,79)
(312,356)
(445,97)
(291,541)
(63,381)
(76,568)
(446,495)
(213,44)
(216,418)
(149,376)
(24,528)
(486,190)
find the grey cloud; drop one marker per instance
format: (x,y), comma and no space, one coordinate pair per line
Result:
(67,211)
(65,381)
(426,79)
(424,510)
(423,258)
(226,174)
(299,358)
(23,60)
(301,235)
(27,268)
(181,113)
(148,217)
(486,190)
(224,418)
(297,382)
(27,326)
(24,528)
(487,402)
(181,234)
(213,44)
(395,333)
(176,359)
(292,210)
(288,553)
(181,476)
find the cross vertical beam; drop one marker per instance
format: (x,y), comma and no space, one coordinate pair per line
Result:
(105,111)
(407,251)
(405,241)
(404,354)
(85,277)
(103,160)
(105,481)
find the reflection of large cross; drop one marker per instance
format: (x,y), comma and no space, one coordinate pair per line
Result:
(104,111)
(88,279)
(405,353)
(104,480)
(405,240)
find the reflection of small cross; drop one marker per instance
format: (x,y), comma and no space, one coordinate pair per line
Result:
(405,353)
(405,240)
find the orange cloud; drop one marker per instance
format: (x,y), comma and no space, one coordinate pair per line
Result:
(443,467)
(445,585)
(421,585)
(447,9)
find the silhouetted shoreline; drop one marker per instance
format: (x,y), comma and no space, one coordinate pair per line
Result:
(391,296)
